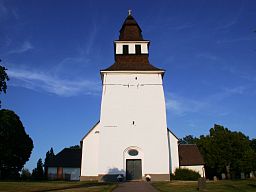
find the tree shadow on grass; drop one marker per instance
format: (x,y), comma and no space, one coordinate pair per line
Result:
(252,185)
(73,187)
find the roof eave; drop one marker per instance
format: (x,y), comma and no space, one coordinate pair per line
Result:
(132,71)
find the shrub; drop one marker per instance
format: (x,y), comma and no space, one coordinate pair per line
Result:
(186,174)
(25,174)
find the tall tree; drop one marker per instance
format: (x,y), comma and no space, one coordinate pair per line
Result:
(38,172)
(15,144)
(3,79)
(48,156)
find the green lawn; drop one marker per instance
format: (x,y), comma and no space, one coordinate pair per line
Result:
(219,186)
(55,186)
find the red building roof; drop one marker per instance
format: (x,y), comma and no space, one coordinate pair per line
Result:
(189,155)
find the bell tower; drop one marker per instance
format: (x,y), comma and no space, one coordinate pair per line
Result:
(131,139)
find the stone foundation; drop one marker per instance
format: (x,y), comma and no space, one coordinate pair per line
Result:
(158,177)
(113,178)
(89,178)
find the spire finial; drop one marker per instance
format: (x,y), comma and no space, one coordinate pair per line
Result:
(129,12)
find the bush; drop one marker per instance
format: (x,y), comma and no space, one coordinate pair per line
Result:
(25,174)
(186,174)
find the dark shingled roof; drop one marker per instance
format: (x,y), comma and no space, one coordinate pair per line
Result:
(66,158)
(132,63)
(130,30)
(190,155)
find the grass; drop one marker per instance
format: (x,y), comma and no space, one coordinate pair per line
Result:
(56,186)
(219,186)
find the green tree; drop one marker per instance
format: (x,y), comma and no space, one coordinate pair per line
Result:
(38,172)
(225,151)
(25,174)
(3,79)
(48,156)
(75,147)
(253,144)
(189,139)
(15,144)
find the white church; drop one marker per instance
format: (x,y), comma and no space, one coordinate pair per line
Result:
(131,139)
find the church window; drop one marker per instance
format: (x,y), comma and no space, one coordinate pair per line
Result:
(125,49)
(138,49)
(133,152)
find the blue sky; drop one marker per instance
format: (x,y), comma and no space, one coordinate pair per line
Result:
(54,51)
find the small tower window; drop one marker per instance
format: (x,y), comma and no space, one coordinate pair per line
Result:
(138,49)
(125,49)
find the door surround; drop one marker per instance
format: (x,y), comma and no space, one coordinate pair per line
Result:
(127,156)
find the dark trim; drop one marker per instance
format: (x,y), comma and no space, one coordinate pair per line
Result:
(172,133)
(192,165)
(89,131)
(133,54)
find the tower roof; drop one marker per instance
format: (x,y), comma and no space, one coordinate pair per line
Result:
(132,63)
(130,30)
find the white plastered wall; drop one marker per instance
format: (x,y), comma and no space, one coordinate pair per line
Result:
(197,168)
(74,173)
(133,113)
(52,173)
(131,45)
(174,152)
(90,152)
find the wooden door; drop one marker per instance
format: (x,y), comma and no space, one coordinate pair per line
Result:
(133,169)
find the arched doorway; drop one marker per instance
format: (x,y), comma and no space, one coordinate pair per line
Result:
(133,163)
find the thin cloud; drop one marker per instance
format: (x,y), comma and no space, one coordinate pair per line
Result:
(26,46)
(235,40)
(91,39)
(234,20)
(3,9)
(248,75)
(182,105)
(7,12)
(183,26)
(228,25)
(207,56)
(40,81)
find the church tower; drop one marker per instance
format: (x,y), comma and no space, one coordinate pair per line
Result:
(131,139)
